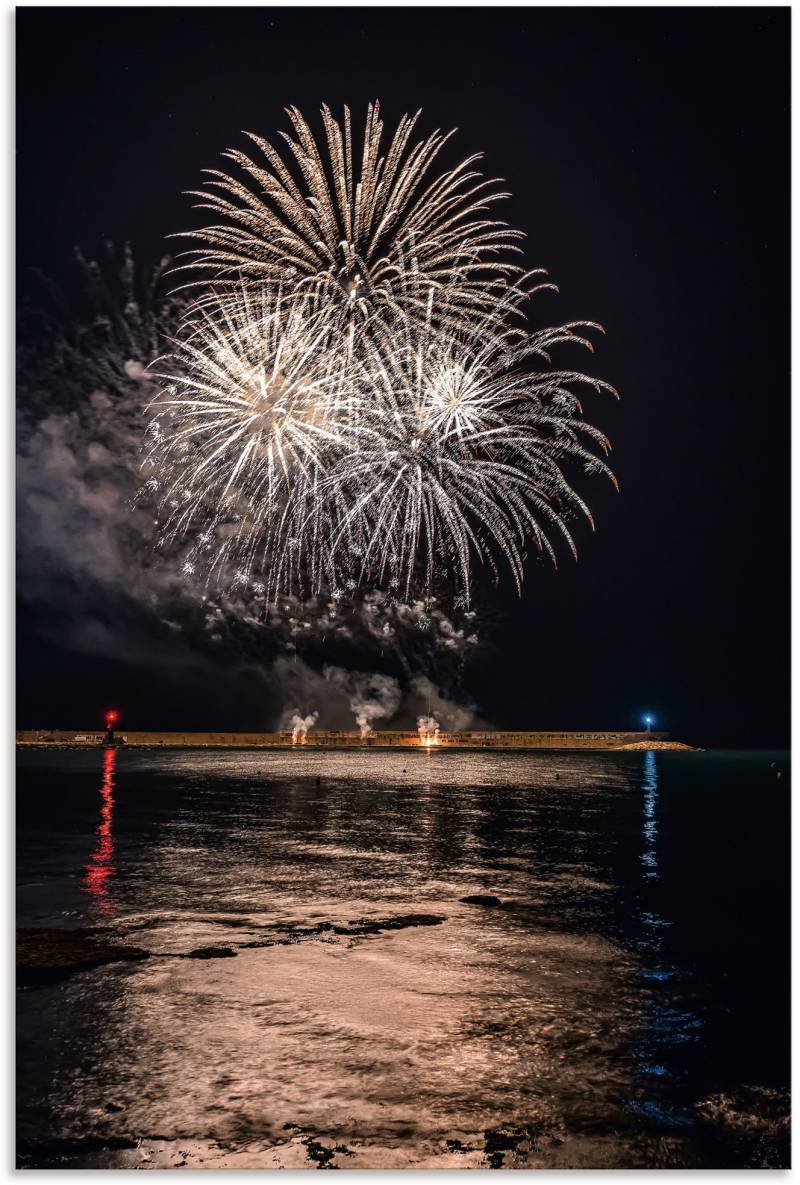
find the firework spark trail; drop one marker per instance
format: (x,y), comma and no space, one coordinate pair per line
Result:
(381,233)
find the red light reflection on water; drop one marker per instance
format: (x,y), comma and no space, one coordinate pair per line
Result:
(100,867)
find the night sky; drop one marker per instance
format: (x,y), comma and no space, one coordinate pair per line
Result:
(647,151)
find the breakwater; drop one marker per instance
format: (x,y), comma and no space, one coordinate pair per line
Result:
(387,739)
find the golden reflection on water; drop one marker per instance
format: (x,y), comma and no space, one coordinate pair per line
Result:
(392,1045)
(553,1017)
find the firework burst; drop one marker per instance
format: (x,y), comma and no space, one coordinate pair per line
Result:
(369,231)
(253,405)
(459,455)
(352,401)
(290,457)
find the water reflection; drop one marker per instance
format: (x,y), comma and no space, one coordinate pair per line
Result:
(568,1024)
(100,868)
(650,828)
(652,923)
(664,1025)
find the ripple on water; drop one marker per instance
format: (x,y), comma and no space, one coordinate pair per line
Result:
(317,994)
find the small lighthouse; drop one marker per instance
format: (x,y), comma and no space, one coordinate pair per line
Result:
(111,719)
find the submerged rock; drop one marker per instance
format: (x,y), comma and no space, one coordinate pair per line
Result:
(399,922)
(45,955)
(458,1146)
(211,952)
(485,899)
(509,1147)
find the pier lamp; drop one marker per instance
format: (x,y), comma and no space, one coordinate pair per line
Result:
(648,722)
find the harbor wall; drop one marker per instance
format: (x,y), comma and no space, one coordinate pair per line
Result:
(320,738)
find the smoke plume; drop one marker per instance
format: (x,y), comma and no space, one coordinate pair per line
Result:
(428,729)
(300,726)
(372,697)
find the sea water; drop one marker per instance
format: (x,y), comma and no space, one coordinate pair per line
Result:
(316,993)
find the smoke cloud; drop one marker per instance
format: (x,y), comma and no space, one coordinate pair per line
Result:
(93,582)
(372,697)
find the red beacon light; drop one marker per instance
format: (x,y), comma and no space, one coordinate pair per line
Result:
(111,718)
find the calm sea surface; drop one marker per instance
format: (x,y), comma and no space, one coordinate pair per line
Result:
(626,1005)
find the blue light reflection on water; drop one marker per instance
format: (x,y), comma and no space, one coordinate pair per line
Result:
(650,828)
(664,1026)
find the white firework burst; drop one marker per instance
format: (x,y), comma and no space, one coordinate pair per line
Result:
(367,231)
(306,464)
(460,453)
(252,406)
(352,400)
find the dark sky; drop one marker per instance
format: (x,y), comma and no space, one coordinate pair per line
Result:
(647,150)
